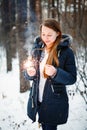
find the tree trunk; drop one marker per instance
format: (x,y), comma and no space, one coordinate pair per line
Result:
(21,11)
(38,10)
(8,14)
(24,84)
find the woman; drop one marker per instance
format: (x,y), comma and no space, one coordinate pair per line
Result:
(51,68)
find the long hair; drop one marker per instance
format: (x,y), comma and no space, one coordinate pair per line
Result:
(52,57)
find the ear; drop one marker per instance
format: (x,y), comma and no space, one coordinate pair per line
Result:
(58,33)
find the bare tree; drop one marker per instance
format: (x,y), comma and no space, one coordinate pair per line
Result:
(38,10)
(81,61)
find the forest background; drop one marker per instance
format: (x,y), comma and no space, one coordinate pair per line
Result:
(19,25)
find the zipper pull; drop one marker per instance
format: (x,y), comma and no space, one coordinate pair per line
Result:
(32,103)
(52,88)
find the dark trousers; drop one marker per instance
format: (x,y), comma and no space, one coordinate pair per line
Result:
(49,127)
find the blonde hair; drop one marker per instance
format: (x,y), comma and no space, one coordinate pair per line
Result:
(52,57)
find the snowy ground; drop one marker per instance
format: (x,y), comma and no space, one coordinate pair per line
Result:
(13,105)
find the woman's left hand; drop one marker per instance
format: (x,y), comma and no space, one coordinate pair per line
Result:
(50,70)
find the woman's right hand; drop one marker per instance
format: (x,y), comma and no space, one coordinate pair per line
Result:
(31,71)
(28,65)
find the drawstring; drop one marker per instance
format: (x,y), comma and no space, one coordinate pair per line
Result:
(39,125)
(59,52)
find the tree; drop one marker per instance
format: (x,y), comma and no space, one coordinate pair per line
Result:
(8,14)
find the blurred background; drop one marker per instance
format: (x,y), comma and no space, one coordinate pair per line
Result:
(19,25)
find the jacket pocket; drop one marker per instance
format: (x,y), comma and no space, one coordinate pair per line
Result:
(57,89)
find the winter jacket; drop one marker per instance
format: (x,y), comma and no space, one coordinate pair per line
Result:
(54,107)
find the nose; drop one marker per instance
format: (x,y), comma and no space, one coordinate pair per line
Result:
(46,37)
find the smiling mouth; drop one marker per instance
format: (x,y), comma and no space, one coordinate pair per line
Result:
(46,41)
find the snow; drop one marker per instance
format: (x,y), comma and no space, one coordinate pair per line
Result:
(13,104)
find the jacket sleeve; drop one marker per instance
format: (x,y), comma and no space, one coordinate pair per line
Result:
(66,75)
(27,77)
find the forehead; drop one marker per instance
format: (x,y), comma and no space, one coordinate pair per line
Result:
(47,30)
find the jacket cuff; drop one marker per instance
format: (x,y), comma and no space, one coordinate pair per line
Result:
(54,74)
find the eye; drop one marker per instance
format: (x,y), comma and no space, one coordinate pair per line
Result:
(49,35)
(43,34)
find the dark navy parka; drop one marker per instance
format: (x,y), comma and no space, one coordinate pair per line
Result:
(54,107)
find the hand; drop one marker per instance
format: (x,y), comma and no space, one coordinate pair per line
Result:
(29,66)
(29,62)
(50,70)
(31,71)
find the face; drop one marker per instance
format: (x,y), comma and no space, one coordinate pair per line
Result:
(48,35)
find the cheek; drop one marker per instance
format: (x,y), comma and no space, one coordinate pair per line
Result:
(53,38)
(42,37)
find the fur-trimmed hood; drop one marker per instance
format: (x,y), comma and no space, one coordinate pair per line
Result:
(65,41)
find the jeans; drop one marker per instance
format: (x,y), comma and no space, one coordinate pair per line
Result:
(49,127)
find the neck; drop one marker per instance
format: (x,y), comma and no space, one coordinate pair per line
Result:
(47,48)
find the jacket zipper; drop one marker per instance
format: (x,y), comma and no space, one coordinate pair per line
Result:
(52,88)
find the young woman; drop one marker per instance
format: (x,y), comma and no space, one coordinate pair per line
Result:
(51,68)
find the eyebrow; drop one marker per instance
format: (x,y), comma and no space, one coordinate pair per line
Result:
(48,33)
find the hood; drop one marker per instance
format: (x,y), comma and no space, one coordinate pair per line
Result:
(66,40)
